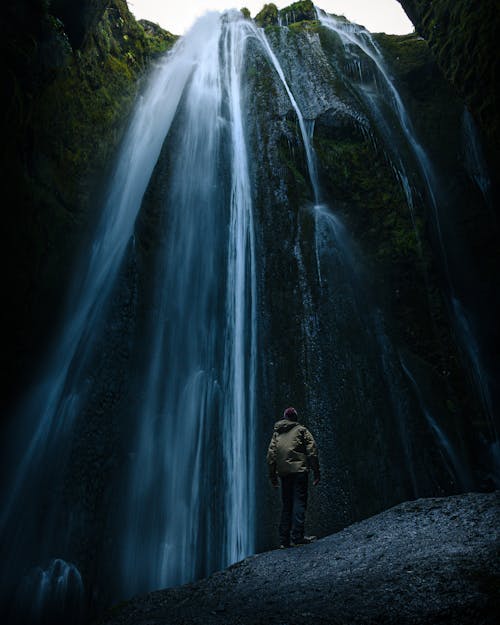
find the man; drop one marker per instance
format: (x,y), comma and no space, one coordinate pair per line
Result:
(291,454)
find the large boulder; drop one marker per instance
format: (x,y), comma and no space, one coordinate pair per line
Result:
(426,561)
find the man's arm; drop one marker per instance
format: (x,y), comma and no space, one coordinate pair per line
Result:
(271,461)
(312,455)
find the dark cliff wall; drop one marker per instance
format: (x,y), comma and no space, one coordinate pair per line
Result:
(79,17)
(71,71)
(316,351)
(463,37)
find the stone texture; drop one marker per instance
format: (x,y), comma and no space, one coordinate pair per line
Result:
(426,561)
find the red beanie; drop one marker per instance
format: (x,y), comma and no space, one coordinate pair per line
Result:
(290,413)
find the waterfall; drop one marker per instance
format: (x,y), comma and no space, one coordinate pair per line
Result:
(336,251)
(483,384)
(474,158)
(359,45)
(45,420)
(355,38)
(200,382)
(56,399)
(192,168)
(456,466)
(310,156)
(191,499)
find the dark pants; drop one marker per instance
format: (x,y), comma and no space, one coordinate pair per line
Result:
(294,501)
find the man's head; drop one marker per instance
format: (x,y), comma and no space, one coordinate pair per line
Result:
(290,413)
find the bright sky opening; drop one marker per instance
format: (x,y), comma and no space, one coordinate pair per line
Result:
(376,15)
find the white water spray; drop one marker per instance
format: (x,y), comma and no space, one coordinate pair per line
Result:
(191,505)
(356,37)
(306,136)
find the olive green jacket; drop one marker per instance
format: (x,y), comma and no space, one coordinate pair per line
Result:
(292,450)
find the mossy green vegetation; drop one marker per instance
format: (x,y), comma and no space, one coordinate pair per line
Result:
(298,12)
(156,40)
(81,113)
(431,101)
(305,25)
(361,187)
(361,183)
(66,111)
(267,16)
(407,53)
(302,11)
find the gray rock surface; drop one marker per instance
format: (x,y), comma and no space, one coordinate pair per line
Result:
(427,561)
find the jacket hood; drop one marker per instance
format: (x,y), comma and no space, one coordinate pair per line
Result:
(284,425)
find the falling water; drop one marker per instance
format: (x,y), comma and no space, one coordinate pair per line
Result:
(191,506)
(483,384)
(335,250)
(330,230)
(359,44)
(51,595)
(55,400)
(370,320)
(474,158)
(306,139)
(190,398)
(457,468)
(50,409)
(354,37)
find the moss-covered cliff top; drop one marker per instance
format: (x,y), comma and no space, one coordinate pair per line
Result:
(296,12)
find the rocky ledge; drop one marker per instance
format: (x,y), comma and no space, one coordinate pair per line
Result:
(426,561)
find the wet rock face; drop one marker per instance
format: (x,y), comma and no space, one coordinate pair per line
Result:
(344,292)
(426,561)
(463,39)
(79,17)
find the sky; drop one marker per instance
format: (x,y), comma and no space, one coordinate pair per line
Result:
(178,15)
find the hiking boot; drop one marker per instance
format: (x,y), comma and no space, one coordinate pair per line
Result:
(306,540)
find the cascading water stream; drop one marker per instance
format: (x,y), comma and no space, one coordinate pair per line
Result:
(53,399)
(456,466)
(352,35)
(45,419)
(474,158)
(193,71)
(192,502)
(310,326)
(310,156)
(241,319)
(329,229)
(356,39)
(483,385)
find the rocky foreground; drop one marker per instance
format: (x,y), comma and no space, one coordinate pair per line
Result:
(426,561)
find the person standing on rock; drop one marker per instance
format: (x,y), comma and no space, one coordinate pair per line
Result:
(291,455)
